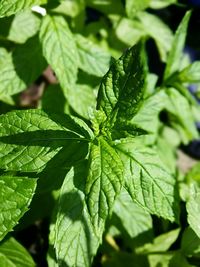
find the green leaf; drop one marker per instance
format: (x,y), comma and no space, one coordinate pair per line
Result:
(190,74)
(175,55)
(179,260)
(159,31)
(92,59)
(73,234)
(103,184)
(82,99)
(60,50)
(8,8)
(167,153)
(129,31)
(148,116)
(161,260)
(21,67)
(13,29)
(70,8)
(152,80)
(122,88)
(123,258)
(182,119)
(107,6)
(194,174)
(190,243)
(160,244)
(134,219)
(60,164)
(15,254)
(157,4)
(193,208)
(147,179)
(15,196)
(133,6)
(31,138)
(54,100)
(20,34)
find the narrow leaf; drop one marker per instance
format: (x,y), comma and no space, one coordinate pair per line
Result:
(15,196)
(175,55)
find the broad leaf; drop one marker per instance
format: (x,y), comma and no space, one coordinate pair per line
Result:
(159,31)
(157,4)
(160,244)
(130,218)
(54,100)
(60,50)
(13,254)
(73,235)
(122,88)
(161,260)
(190,243)
(60,164)
(16,71)
(31,138)
(190,74)
(13,28)
(175,55)
(148,116)
(15,196)
(70,8)
(103,183)
(194,174)
(129,31)
(147,179)
(82,99)
(182,118)
(92,59)
(179,260)
(167,152)
(123,258)
(193,208)
(8,8)
(133,6)
(107,6)
(157,250)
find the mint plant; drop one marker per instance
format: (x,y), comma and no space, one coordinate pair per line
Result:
(97,153)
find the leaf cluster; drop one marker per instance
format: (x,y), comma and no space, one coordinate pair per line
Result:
(97,153)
